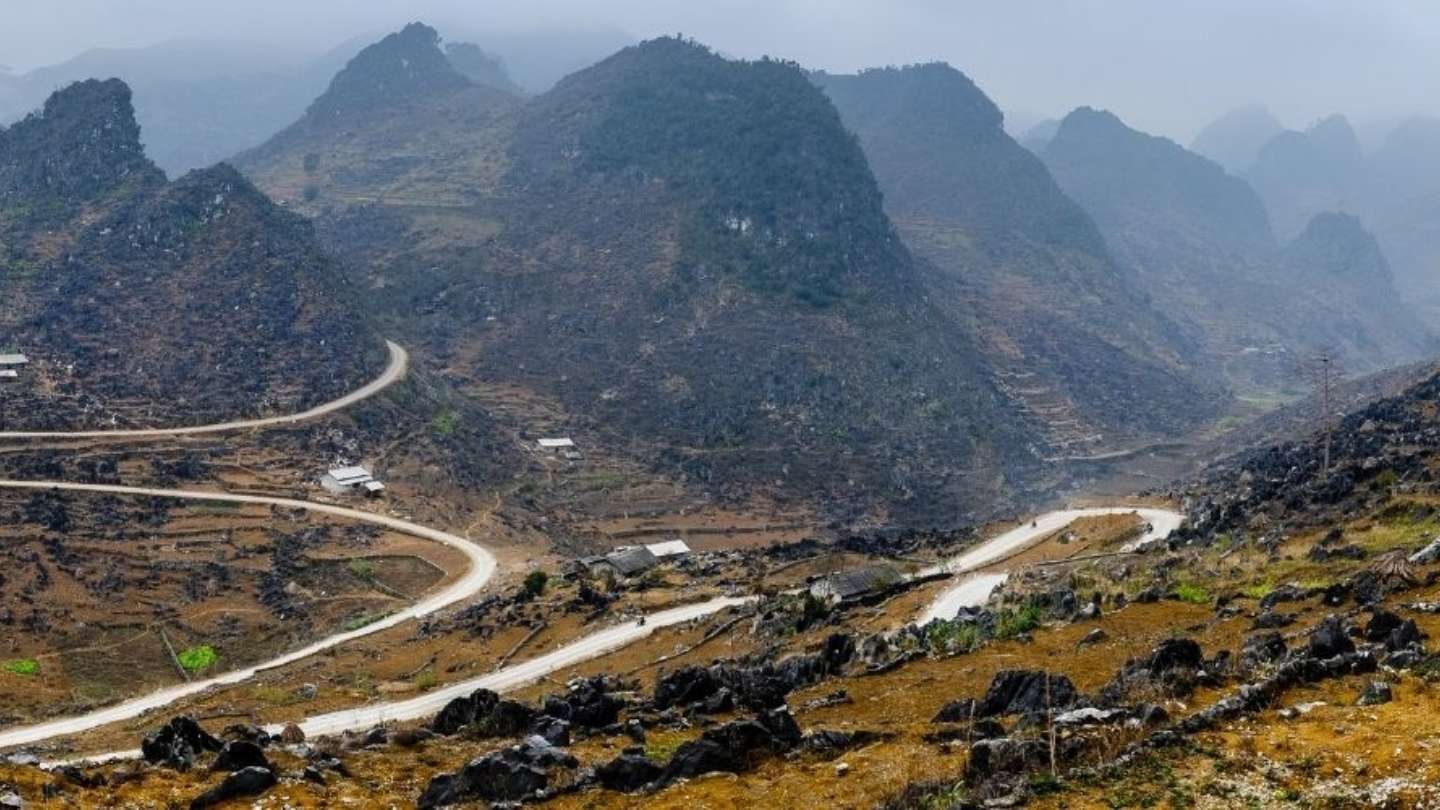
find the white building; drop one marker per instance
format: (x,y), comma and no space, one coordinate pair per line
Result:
(668,548)
(344,480)
(562,446)
(13,360)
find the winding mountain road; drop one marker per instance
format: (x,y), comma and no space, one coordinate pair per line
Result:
(971,590)
(974,590)
(395,370)
(482,568)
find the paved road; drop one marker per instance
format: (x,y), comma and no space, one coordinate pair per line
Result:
(482,568)
(971,590)
(974,590)
(399,363)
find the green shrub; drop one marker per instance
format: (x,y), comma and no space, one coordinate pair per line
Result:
(1011,623)
(198,659)
(534,585)
(1259,590)
(22,666)
(1192,593)
(362,568)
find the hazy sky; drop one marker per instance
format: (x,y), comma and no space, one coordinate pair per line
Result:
(1167,66)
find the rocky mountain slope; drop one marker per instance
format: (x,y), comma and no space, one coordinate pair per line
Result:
(143,303)
(1300,174)
(1070,332)
(1201,244)
(688,253)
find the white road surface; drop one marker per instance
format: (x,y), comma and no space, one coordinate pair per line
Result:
(399,363)
(975,590)
(972,590)
(482,568)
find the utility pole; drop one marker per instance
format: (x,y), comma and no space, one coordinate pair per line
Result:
(1326,369)
(1322,370)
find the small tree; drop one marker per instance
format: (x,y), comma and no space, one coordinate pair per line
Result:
(534,585)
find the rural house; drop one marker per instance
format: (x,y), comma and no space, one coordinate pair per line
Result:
(847,586)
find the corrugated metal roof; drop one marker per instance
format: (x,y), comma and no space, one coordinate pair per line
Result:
(552,444)
(631,560)
(350,475)
(669,548)
(13,359)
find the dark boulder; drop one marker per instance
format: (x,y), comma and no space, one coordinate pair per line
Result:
(238,755)
(956,711)
(836,740)
(553,730)
(1273,620)
(628,773)
(1382,623)
(1405,636)
(685,686)
(734,747)
(1262,648)
(1024,691)
(464,711)
(177,743)
(1003,757)
(1329,639)
(591,703)
(247,732)
(238,785)
(509,775)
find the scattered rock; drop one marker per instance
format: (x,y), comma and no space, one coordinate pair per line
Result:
(1329,639)
(1428,554)
(1376,693)
(177,743)
(1094,637)
(1300,709)
(628,773)
(1023,691)
(242,783)
(237,755)
(1273,620)
(291,734)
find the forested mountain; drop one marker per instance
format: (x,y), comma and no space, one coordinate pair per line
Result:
(144,303)
(1071,334)
(686,252)
(1201,244)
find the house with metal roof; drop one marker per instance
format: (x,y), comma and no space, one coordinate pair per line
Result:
(625,562)
(344,480)
(13,360)
(858,583)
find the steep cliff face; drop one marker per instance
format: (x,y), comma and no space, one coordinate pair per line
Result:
(1071,333)
(1201,244)
(146,303)
(690,253)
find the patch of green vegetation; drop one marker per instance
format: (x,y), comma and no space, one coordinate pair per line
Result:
(661,748)
(445,423)
(27,667)
(1192,593)
(364,620)
(426,680)
(534,585)
(952,636)
(1011,623)
(362,568)
(944,798)
(1259,590)
(198,659)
